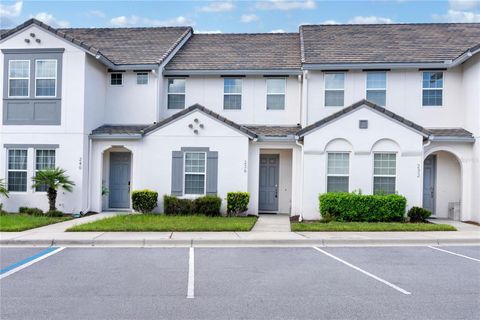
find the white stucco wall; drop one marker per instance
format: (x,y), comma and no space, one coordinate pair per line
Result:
(382,135)
(208,91)
(447,184)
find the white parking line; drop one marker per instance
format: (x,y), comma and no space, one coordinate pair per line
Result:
(191,274)
(363,271)
(29,261)
(455,254)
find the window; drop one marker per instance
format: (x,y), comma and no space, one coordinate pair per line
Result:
(142,78)
(377,87)
(384,173)
(17,170)
(116,79)
(44,159)
(176,94)
(18,78)
(232,94)
(45,78)
(276,94)
(432,89)
(195,169)
(334,89)
(337,172)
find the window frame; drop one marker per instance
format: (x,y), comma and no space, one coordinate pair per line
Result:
(175,93)
(335,89)
(433,89)
(16,170)
(46,78)
(143,73)
(35,162)
(384,175)
(110,80)
(17,78)
(284,94)
(336,174)
(233,94)
(376,89)
(194,173)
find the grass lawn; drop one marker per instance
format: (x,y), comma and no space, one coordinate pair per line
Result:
(157,222)
(369,226)
(21,222)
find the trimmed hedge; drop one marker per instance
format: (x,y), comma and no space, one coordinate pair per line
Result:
(417,214)
(342,206)
(237,202)
(144,200)
(31,211)
(208,205)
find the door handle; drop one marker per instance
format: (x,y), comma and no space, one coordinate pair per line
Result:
(128,186)
(276,191)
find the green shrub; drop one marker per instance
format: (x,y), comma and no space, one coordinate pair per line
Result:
(54,213)
(417,214)
(237,202)
(31,211)
(342,206)
(144,200)
(207,205)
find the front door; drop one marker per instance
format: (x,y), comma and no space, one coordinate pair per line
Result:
(268,195)
(119,186)
(429,173)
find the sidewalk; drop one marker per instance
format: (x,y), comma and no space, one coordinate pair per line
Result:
(55,235)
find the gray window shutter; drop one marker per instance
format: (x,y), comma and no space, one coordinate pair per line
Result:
(212,172)
(177,173)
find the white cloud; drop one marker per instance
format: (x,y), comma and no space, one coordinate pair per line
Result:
(218,6)
(51,20)
(330,22)
(461,5)
(285,5)
(247,18)
(369,20)
(278,31)
(458,16)
(8,13)
(133,21)
(208,31)
(97,13)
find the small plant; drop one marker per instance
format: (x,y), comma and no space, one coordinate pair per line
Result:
(417,214)
(237,203)
(53,179)
(208,205)
(3,188)
(144,200)
(54,213)
(174,206)
(30,211)
(105,191)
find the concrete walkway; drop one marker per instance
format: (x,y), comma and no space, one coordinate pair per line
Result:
(459,225)
(272,223)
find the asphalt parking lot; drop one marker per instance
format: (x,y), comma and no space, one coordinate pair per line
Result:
(240,283)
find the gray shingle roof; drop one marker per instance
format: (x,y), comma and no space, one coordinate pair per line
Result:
(379,43)
(450,132)
(357,105)
(275,131)
(120,129)
(120,45)
(276,51)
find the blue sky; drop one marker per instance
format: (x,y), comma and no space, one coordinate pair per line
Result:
(235,16)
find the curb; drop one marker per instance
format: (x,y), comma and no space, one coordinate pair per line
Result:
(237,242)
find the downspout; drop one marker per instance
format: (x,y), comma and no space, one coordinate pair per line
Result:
(304,100)
(300,218)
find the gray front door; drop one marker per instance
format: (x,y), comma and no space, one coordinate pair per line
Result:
(119,186)
(268,195)
(429,174)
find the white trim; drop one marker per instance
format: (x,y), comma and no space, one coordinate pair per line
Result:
(184,93)
(7,167)
(204,174)
(233,94)
(284,94)
(148,78)
(384,175)
(336,174)
(378,88)
(333,89)
(433,89)
(46,78)
(17,78)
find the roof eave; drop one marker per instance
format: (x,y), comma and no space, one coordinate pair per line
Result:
(375,65)
(113,136)
(434,138)
(174,72)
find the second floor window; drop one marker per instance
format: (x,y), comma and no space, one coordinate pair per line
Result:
(377,87)
(232,94)
(432,93)
(334,89)
(142,78)
(45,78)
(18,78)
(116,79)
(176,94)
(276,94)
(337,171)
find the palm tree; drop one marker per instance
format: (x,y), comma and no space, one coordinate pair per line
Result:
(3,188)
(53,179)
